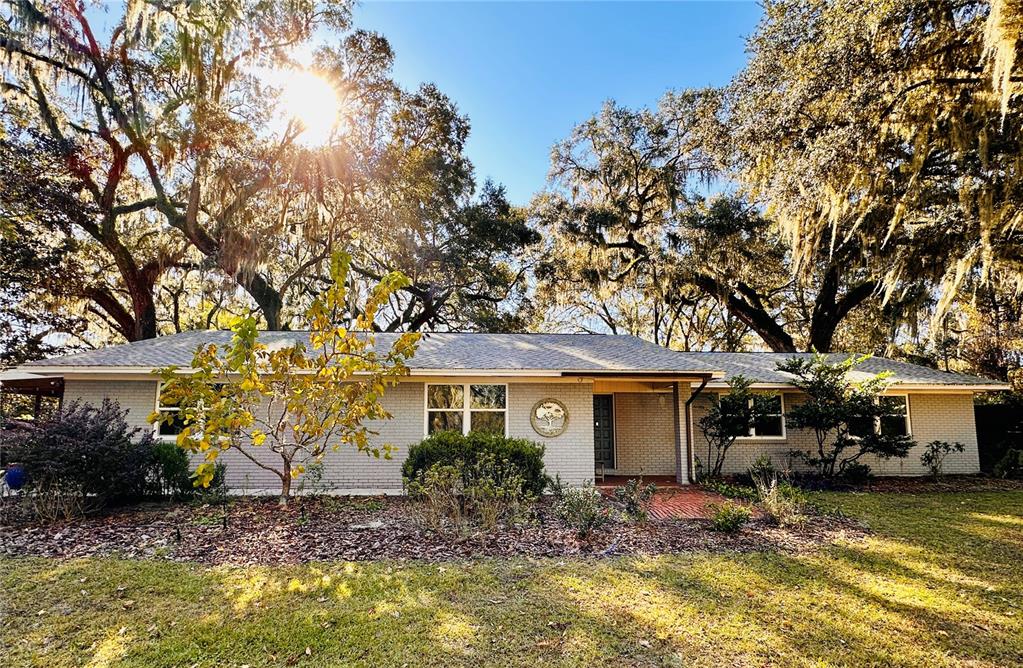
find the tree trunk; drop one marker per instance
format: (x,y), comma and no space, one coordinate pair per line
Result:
(285,483)
(752,315)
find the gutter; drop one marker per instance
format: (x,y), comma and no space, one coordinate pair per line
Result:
(689,432)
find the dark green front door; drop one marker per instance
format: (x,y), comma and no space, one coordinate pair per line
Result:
(603,430)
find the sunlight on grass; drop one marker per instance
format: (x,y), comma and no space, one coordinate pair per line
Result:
(934,586)
(110,650)
(454,632)
(999,519)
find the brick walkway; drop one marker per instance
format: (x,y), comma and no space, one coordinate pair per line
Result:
(672,501)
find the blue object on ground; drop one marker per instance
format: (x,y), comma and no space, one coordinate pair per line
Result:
(15,477)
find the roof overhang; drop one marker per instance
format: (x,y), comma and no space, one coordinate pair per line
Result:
(895,388)
(17,381)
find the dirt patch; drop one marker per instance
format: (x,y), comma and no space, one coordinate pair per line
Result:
(258,531)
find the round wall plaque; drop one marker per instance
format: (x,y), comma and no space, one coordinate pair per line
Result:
(549,417)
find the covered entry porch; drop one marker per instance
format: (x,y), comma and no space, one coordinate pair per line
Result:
(642,427)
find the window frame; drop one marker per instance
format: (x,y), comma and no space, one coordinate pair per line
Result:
(909,420)
(877,419)
(753,436)
(466,409)
(160,408)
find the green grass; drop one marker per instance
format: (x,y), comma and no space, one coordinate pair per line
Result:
(939,584)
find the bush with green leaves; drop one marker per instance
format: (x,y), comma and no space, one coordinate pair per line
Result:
(635,498)
(730,490)
(450,448)
(1010,465)
(172,472)
(934,455)
(484,492)
(856,473)
(762,467)
(835,410)
(731,416)
(83,458)
(437,498)
(729,517)
(584,509)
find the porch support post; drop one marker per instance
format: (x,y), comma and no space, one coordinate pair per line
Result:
(680,476)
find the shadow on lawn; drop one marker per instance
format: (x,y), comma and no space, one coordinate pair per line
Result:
(943,593)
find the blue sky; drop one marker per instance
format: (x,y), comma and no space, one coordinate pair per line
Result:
(527,72)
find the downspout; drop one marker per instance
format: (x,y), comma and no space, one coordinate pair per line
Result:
(689,428)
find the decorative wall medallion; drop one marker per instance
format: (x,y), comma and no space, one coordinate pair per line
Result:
(549,417)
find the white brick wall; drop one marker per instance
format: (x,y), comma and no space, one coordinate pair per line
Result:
(944,417)
(570,455)
(644,434)
(138,396)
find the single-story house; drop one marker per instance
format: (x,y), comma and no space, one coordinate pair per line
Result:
(601,404)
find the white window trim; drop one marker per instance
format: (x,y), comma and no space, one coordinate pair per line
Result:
(466,409)
(784,427)
(160,408)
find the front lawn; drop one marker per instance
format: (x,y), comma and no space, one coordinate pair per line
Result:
(940,583)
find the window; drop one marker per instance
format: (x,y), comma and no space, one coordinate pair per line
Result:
(893,421)
(771,422)
(466,408)
(172,429)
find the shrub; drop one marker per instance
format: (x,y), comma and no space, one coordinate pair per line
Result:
(856,473)
(449,448)
(782,503)
(172,475)
(934,456)
(438,498)
(494,493)
(635,498)
(1011,465)
(217,491)
(842,414)
(730,417)
(762,467)
(730,517)
(557,487)
(486,492)
(730,490)
(583,509)
(83,458)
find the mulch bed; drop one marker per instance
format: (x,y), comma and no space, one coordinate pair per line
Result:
(957,483)
(251,531)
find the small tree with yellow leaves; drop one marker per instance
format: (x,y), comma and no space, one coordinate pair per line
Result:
(299,400)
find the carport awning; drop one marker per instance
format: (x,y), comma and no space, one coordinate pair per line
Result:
(21,382)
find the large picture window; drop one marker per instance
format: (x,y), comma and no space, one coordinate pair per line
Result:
(467,407)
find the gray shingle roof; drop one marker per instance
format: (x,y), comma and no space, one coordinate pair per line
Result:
(522,352)
(762,368)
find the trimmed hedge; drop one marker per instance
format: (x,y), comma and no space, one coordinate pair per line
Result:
(452,448)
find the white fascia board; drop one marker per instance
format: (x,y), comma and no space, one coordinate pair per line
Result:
(894,388)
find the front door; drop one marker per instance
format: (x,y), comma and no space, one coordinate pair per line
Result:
(603,430)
